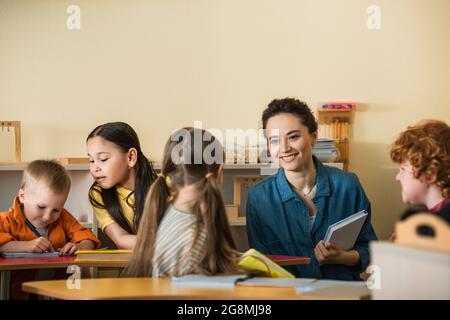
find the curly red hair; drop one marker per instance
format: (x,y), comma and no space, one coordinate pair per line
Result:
(426,146)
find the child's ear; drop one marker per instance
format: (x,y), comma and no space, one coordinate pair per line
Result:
(132,157)
(21,195)
(430,178)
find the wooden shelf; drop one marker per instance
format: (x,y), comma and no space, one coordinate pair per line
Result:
(335,110)
(336,124)
(16,125)
(232,166)
(21,167)
(241,221)
(85,167)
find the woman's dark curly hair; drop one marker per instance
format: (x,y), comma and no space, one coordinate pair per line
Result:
(292,106)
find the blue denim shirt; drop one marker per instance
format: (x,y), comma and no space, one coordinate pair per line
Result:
(278,220)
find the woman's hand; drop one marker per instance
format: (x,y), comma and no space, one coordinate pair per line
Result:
(335,254)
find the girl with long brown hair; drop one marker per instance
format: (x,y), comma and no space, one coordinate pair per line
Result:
(184,227)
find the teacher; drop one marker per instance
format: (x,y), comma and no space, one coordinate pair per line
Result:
(289,213)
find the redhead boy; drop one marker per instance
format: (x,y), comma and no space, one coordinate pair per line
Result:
(423,153)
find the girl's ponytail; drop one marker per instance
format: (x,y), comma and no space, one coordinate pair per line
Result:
(155,205)
(221,254)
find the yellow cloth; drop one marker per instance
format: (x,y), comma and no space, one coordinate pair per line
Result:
(104,219)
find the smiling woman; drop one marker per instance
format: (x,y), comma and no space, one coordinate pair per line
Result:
(123,176)
(288,213)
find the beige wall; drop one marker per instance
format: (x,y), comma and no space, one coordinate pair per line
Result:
(162,64)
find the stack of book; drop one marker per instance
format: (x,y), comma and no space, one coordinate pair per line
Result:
(103,255)
(325,150)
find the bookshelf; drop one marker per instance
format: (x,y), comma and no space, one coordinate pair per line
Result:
(78,201)
(336,124)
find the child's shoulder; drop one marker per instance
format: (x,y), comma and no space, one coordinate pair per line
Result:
(12,214)
(6,216)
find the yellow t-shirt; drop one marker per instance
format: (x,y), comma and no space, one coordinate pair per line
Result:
(104,219)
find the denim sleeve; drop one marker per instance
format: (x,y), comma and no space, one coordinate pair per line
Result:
(250,221)
(367,233)
(254,235)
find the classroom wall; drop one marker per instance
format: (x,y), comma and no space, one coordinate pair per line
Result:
(159,65)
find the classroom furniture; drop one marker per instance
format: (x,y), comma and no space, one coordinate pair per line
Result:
(10,264)
(16,126)
(161,288)
(335,124)
(416,266)
(339,292)
(71,160)
(241,187)
(78,202)
(149,288)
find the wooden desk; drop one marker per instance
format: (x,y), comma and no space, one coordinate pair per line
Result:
(54,262)
(9,264)
(154,289)
(148,288)
(339,292)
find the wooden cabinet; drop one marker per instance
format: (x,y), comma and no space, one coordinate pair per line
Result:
(78,201)
(336,124)
(11,128)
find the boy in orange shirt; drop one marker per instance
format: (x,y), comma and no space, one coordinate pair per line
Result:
(37,222)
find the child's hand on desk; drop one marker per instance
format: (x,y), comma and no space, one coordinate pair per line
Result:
(69,249)
(40,245)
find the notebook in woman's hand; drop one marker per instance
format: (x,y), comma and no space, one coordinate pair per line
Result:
(345,232)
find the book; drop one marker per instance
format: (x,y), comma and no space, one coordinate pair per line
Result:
(103,255)
(322,284)
(219,281)
(277,282)
(335,289)
(254,262)
(325,149)
(345,232)
(288,260)
(29,254)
